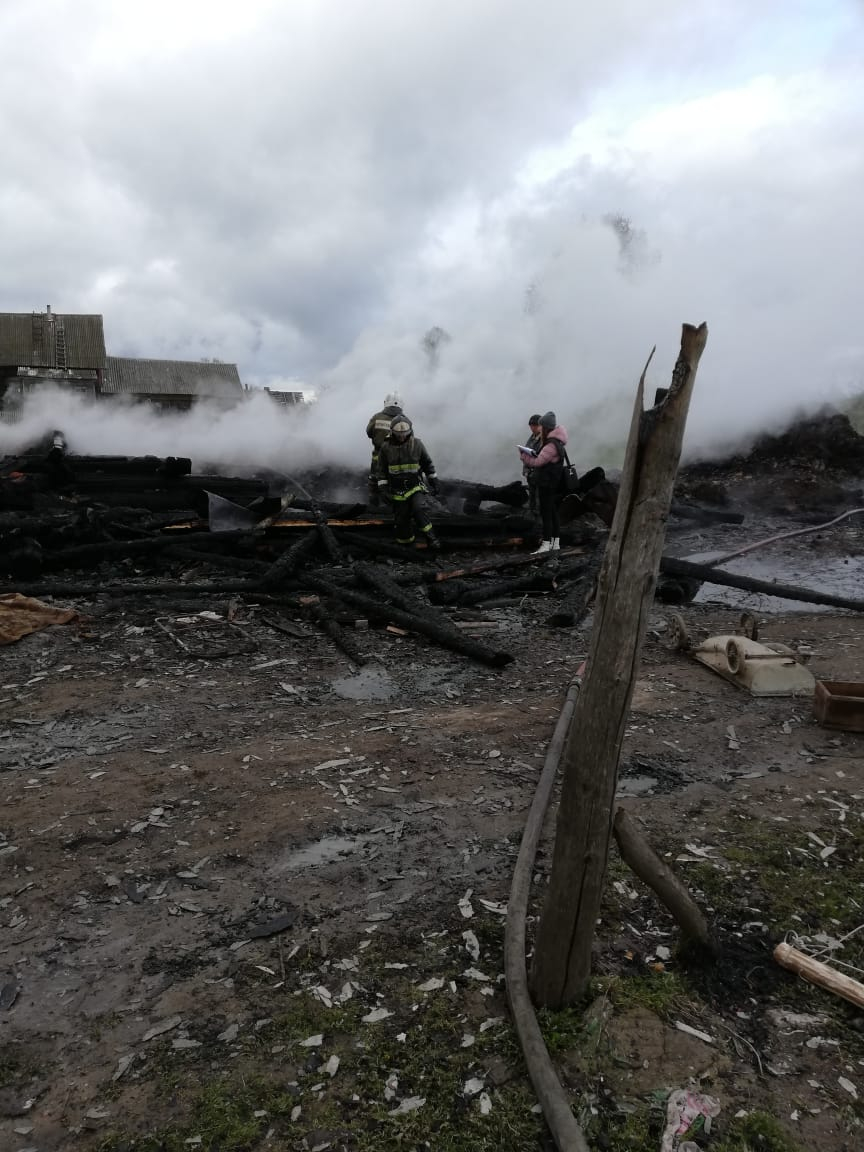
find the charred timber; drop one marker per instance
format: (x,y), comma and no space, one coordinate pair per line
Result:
(150,466)
(218,560)
(571,611)
(439,576)
(447,637)
(162,588)
(335,632)
(290,562)
(545,580)
(84,554)
(514,495)
(381,582)
(708,575)
(703,515)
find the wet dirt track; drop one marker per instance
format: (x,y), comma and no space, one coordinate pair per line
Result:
(163,816)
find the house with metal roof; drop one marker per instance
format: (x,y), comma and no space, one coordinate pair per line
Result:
(38,348)
(172,383)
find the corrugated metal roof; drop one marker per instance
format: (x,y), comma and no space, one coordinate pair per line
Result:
(37,339)
(126,376)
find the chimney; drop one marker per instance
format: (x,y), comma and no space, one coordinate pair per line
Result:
(47,309)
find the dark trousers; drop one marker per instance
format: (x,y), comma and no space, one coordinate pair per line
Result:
(406,512)
(548,512)
(532,494)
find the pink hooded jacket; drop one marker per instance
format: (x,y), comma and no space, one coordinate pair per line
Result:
(548,454)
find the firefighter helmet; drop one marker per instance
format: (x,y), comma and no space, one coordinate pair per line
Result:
(401,428)
(393,398)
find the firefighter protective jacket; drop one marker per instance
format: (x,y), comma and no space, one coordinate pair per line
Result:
(403,466)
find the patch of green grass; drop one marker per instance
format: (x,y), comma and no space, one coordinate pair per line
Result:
(660,992)
(756,1132)
(637,1131)
(773,873)
(641,1131)
(421,1046)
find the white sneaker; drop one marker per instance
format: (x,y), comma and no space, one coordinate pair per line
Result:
(545,547)
(555,546)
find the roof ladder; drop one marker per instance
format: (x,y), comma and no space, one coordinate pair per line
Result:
(60,342)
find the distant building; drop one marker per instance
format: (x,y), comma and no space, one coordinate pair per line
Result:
(39,348)
(285,399)
(42,348)
(176,384)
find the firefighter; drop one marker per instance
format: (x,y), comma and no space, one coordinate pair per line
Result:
(378,429)
(402,463)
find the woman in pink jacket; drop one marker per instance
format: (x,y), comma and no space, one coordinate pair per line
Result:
(549,465)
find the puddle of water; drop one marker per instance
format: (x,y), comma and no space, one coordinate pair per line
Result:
(323,851)
(837,576)
(368,684)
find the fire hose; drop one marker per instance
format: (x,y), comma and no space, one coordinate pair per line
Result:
(552,1096)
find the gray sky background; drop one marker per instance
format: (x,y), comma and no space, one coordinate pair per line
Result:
(306,187)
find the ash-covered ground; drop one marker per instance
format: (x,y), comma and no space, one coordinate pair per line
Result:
(253,893)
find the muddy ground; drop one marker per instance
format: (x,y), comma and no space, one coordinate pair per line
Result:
(257,901)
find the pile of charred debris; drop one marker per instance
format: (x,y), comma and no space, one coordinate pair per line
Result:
(85,526)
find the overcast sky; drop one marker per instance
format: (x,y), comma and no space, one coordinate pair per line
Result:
(305,187)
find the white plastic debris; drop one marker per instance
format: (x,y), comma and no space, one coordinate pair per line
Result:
(465,906)
(683,1109)
(332,1066)
(312,1041)
(694,1032)
(485,1104)
(431,985)
(410,1104)
(162,1027)
(391,1086)
(492,1022)
(296,1112)
(376,1015)
(848,1086)
(467,1040)
(475,974)
(123,1065)
(472,944)
(473,1086)
(494,906)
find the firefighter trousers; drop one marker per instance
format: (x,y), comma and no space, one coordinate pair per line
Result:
(408,511)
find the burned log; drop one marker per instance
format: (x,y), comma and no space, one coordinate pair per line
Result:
(514,495)
(439,576)
(545,580)
(672,566)
(84,554)
(702,515)
(218,560)
(446,636)
(379,581)
(335,632)
(328,540)
(573,608)
(290,562)
(163,588)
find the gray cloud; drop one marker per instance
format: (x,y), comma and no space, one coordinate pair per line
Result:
(308,190)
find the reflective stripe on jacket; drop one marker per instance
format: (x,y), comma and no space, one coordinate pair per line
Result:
(403,466)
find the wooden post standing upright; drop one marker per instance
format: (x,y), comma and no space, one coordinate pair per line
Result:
(562,957)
